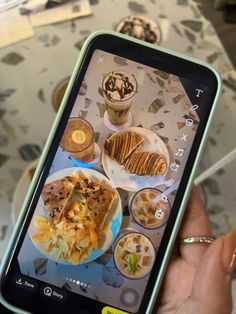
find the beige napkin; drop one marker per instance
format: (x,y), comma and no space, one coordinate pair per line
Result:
(14,27)
(66,11)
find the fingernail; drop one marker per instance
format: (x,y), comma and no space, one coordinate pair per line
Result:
(229,253)
(232,265)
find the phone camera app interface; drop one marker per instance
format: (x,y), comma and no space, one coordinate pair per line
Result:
(102,212)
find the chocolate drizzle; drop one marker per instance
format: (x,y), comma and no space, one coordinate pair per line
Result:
(146,164)
(140,29)
(118,82)
(120,147)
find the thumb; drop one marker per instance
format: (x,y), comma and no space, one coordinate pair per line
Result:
(211,292)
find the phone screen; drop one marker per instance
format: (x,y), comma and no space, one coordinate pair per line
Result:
(100,218)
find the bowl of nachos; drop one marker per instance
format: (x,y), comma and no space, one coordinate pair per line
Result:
(78,216)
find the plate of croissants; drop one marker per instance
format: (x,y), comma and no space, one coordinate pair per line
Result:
(135,158)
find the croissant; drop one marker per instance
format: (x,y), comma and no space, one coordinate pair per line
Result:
(120,147)
(146,164)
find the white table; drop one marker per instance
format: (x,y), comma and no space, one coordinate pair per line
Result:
(30,70)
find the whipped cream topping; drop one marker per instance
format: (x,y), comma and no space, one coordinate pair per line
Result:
(141,28)
(119,85)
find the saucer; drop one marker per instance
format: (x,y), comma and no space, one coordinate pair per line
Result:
(116,127)
(92,163)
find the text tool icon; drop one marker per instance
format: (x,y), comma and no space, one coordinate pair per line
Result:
(198,92)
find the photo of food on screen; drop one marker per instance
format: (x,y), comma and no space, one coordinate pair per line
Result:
(99,221)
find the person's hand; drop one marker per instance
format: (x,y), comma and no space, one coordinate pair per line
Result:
(198,278)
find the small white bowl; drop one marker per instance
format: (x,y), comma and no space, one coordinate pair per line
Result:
(21,190)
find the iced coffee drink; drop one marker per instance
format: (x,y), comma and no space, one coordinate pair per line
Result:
(147,210)
(134,255)
(119,89)
(78,139)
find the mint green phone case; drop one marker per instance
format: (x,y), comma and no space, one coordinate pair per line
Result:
(21,218)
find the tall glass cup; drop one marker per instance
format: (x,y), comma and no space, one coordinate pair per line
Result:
(78,139)
(119,89)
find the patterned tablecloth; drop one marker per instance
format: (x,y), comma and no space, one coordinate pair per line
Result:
(31,69)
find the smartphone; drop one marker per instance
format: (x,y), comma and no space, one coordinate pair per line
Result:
(100,218)
(230,13)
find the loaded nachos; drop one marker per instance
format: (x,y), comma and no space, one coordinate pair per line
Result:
(77,207)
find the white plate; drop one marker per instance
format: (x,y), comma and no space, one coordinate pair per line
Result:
(114,127)
(21,190)
(113,220)
(133,182)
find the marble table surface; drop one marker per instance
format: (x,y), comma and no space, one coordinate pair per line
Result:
(30,70)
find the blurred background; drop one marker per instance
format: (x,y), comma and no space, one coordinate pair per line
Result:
(39,44)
